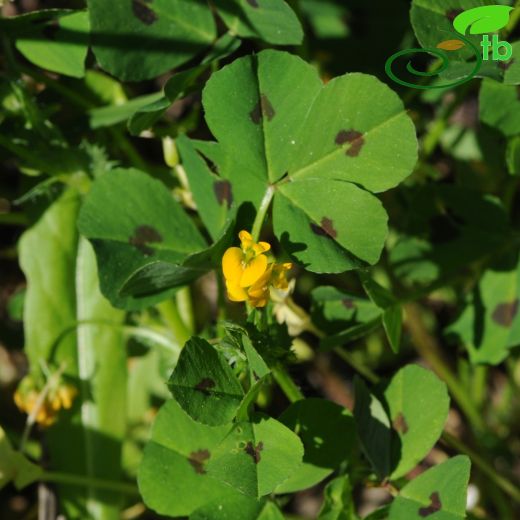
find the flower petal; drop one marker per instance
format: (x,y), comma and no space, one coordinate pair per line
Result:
(235,292)
(232,264)
(246,239)
(253,271)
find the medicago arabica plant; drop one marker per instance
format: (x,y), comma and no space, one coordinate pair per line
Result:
(247,276)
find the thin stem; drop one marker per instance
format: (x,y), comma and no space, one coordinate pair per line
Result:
(286,383)
(366,372)
(82,481)
(505,485)
(514,18)
(262,212)
(430,350)
(170,313)
(185,306)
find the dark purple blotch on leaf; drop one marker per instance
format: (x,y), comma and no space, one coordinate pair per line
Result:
(50,29)
(435,505)
(399,424)
(253,3)
(142,12)
(453,13)
(504,65)
(144,235)
(325,229)
(354,138)
(263,109)
(348,303)
(223,192)
(205,385)
(253,452)
(197,460)
(505,313)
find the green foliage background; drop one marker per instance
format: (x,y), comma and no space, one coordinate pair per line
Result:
(137,138)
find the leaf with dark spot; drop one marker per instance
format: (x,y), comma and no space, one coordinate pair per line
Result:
(399,424)
(223,192)
(354,138)
(348,303)
(435,505)
(143,12)
(325,229)
(197,460)
(504,65)
(453,13)
(263,109)
(505,313)
(254,452)
(144,235)
(50,29)
(253,3)
(205,385)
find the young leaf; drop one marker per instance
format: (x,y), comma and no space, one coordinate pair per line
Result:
(138,39)
(338,503)
(439,492)
(319,424)
(418,405)
(264,110)
(204,384)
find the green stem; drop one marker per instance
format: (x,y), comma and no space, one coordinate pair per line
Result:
(185,306)
(514,18)
(505,485)
(366,372)
(285,382)
(262,212)
(79,480)
(170,313)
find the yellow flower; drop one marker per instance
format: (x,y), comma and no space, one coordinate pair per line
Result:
(244,265)
(249,276)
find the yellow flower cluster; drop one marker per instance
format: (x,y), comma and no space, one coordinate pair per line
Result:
(249,274)
(28,400)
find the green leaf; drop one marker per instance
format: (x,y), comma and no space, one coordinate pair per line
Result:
(14,466)
(374,429)
(212,195)
(134,223)
(439,492)
(238,507)
(188,464)
(338,503)
(264,111)
(418,406)
(319,424)
(270,20)
(392,312)
(500,106)
(489,325)
(59,308)
(481,20)
(513,156)
(59,45)
(136,40)
(204,384)
(327,18)
(113,114)
(173,476)
(432,22)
